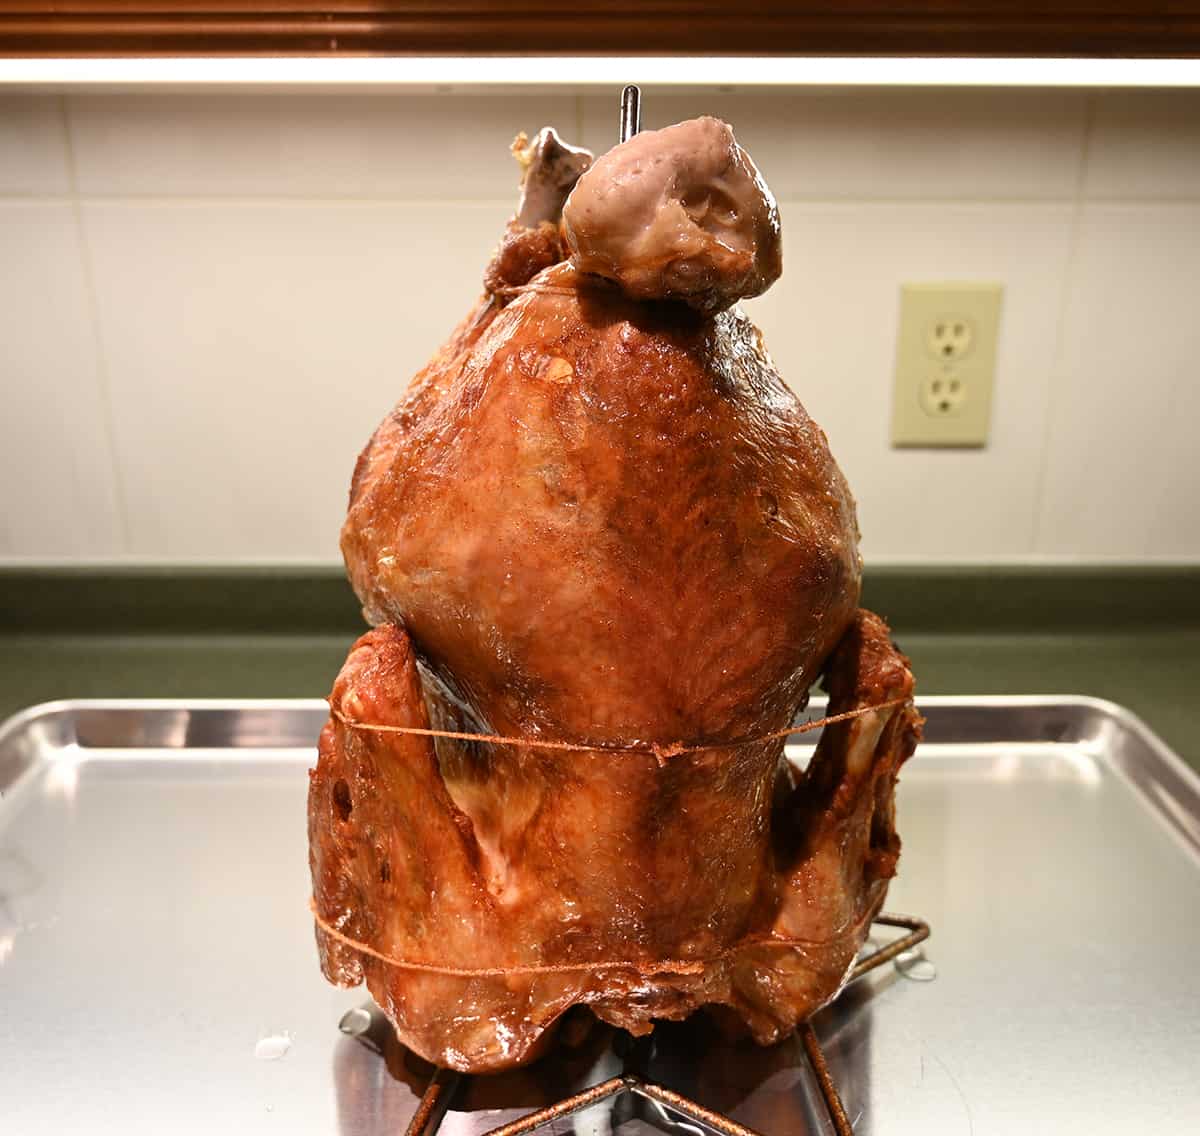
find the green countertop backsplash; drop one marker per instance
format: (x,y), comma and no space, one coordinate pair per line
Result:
(1130,634)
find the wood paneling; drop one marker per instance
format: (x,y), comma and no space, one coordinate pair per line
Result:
(620,27)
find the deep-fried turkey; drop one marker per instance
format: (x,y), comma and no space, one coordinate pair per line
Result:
(602,520)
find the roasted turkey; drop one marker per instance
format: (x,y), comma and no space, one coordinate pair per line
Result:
(601,531)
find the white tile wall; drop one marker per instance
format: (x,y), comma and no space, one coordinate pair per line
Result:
(58,495)
(1145,144)
(253,348)
(1123,470)
(207,302)
(33,146)
(452,147)
(912,145)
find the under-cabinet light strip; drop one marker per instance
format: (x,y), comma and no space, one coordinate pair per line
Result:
(597,71)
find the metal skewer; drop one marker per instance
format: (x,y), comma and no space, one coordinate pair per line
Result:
(631,112)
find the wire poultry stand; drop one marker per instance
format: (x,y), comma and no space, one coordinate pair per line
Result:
(427,1118)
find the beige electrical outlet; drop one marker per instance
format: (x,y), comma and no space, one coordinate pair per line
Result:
(945,364)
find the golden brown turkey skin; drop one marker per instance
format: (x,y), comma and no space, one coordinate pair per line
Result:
(721,879)
(615,523)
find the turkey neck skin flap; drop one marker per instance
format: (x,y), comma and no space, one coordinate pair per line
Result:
(606,521)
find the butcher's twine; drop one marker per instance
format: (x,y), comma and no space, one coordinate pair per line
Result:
(656,966)
(660,752)
(540,289)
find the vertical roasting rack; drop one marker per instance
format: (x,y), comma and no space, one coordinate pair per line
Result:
(444,1083)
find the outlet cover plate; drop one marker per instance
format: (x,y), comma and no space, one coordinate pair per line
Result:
(945,364)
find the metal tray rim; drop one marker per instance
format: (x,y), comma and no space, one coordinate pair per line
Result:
(40,710)
(1101,708)
(1168,786)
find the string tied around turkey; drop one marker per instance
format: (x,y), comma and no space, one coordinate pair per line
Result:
(687,966)
(660,752)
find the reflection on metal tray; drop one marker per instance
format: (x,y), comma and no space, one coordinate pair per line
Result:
(158,972)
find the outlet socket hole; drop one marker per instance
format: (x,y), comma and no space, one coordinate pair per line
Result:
(949,338)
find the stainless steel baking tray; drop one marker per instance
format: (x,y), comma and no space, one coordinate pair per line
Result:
(158,972)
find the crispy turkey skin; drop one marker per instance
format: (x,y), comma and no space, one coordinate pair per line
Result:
(615,524)
(605,520)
